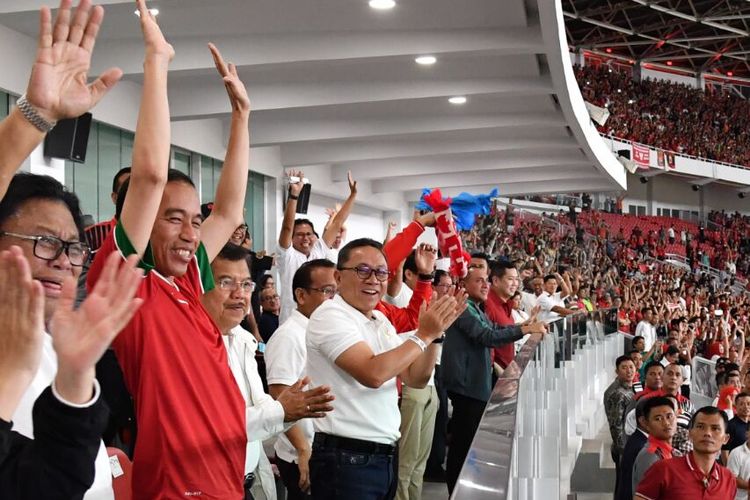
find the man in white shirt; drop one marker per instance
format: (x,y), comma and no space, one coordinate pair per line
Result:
(550,302)
(354,348)
(286,357)
(646,328)
(529,300)
(227,304)
(739,464)
(298,243)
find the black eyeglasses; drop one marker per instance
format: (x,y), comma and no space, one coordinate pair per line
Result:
(241,229)
(51,247)
(364,272)
(328,291)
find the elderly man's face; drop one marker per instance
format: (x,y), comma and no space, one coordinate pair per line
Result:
(228,305)
(39,217)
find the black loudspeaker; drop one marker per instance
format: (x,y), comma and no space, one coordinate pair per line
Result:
(624,153)
(304,199)
(69,139)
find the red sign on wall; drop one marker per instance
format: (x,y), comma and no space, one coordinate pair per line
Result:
(641,154)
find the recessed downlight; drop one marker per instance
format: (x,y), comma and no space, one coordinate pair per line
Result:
(426,60)
(382,4)
(458,99)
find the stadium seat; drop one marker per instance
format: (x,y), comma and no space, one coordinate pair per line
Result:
(121,473)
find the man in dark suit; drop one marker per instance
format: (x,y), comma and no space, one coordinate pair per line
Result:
(467,368)
(633,446)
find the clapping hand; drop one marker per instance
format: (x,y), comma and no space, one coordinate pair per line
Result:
(81,336)
(58,85)
(22,310)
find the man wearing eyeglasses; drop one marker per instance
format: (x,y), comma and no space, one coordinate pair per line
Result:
(298,242)
(353,347)
(227,305)
(268,322)
(286,355)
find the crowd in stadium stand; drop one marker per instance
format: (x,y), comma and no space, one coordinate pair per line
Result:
(163,335)
(674,117)
(672,314)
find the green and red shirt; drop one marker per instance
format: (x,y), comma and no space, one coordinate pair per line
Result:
(190,413)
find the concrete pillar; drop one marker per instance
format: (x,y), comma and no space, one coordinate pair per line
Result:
(650,197)
(637,71)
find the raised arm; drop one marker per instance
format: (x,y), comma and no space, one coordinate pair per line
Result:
(338,220)
(57,88)
(152,138)
(287,225)
(229,201)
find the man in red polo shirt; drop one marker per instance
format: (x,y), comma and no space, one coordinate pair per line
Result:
(190,413)
(504,282)
(697,475)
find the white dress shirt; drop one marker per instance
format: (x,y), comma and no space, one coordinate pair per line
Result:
(546,303)
(286,357)
(23,423)
(528,301)
(361,412)
(289,260)
(739,464)
(648,331)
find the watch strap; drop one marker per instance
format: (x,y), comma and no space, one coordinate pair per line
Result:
(32,115)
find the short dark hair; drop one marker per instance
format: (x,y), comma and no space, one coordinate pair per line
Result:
(671,351)
(621,359)
(550,277)
(233,253)
(646,309)
(24,187)
(499,268)
(116,179)
(173,175)
(346,250)
(410,264)
(633,351)
(636,339)
(743,394)
(655,402)
(652,364)
(303,277)
(439,273)
(709,410)
(299,222)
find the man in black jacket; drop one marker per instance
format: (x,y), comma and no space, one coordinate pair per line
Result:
(69,416)
(633,446)
(467,368)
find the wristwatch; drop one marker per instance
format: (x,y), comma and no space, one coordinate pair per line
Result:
(426,277)
(32,115)
(439,340)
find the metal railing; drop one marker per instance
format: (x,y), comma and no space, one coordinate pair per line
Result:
(545,402)
(684,155)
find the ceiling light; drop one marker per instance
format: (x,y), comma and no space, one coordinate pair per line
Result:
(426,60)
(609,50)
(382,4)
(459,99)
(729,73)
(669,63)
(154,12)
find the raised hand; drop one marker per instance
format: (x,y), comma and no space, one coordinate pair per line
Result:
(425,257)
(352,183)
(80,336)
(296,188)
(58,85)
(22,310)
(299,403)
(153,38)
(235,88)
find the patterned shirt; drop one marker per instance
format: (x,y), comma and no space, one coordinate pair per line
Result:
(616,399)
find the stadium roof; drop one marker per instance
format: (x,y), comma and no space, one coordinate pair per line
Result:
(335,86)
(700,36)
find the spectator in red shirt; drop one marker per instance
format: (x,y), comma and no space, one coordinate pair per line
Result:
(504,282)
(697,474)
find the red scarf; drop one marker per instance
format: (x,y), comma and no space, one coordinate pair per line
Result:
(662,447)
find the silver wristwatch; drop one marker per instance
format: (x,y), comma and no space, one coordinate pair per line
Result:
(32,115)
